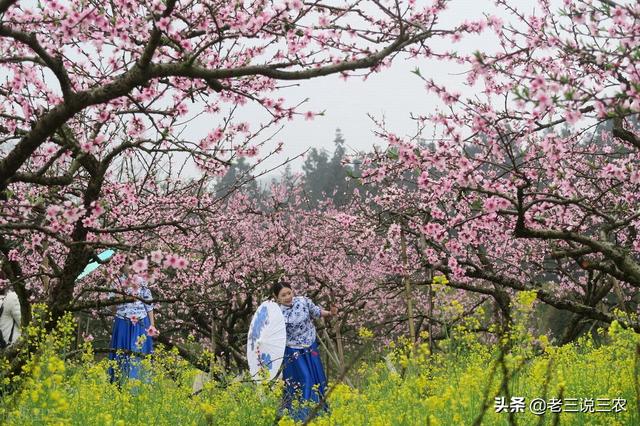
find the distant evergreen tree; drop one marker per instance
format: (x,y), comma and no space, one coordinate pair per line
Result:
(287,177)
(339,184)
(326,177)
(316,175)
(238,175)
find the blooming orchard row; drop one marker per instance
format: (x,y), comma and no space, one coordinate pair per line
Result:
(96,96)
(532,185)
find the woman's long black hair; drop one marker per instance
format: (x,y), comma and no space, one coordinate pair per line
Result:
(279,285)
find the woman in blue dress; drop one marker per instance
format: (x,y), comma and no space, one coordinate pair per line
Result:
(305,380)
(133,329)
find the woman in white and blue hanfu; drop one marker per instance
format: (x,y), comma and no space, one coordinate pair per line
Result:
(305,380)
(133,329)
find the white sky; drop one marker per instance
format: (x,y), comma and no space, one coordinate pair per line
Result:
(394,94)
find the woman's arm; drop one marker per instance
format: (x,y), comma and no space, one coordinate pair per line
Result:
(152,319)
(148,297)
(152,331)
(333,312)
(317,312)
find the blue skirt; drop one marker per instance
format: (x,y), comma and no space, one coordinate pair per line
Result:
(129,337)
(305,381)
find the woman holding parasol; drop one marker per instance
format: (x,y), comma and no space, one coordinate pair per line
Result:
(305,380)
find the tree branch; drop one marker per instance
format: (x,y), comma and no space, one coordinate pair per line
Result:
(6,4)
(184,70)
(55,64)
(621,133)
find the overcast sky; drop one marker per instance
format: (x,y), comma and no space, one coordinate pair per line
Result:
(394,94)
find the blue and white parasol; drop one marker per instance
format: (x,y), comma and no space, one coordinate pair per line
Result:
(94,265)
(266,341)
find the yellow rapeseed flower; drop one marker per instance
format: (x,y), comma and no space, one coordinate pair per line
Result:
(365,333)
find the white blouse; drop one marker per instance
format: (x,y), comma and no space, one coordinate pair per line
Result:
(10,317)
(298,318)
